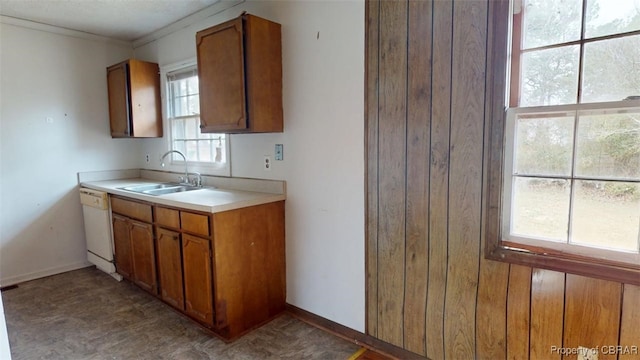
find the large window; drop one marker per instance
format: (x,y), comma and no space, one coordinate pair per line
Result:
(183,116)
(571,160)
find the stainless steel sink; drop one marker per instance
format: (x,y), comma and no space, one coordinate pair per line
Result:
(160,189)
(171,190)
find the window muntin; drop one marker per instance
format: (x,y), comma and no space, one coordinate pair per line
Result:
(183,109)
(571,180)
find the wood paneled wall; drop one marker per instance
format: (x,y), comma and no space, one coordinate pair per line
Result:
(429,288)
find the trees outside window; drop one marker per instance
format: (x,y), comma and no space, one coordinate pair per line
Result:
(571,181)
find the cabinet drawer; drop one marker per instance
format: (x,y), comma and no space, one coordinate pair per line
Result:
(168,217)
(195,223)
(131,209)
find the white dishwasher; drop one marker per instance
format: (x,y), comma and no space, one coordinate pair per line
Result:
(97,228)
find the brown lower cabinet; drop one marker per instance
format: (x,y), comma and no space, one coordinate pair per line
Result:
(143,255)
(169,250)
(122,240)
(198,291)
(135,258)
(225,270)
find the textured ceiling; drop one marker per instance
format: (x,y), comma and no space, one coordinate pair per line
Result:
(118,19)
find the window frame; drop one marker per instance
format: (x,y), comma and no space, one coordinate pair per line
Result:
(204,167)
(496,248)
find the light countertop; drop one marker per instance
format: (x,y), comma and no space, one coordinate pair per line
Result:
(207,199)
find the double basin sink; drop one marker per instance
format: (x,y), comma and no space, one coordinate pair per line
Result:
(160,189)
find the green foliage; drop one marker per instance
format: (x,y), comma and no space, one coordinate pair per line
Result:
(544,146)
(609,144)
(622,190)
(550,77)
(606,144)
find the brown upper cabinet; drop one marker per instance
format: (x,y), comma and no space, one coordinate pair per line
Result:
(240,76)
(134,99)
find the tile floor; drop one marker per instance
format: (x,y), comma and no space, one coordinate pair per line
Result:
(86,314)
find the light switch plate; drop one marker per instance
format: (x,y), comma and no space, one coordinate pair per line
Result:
(279,152)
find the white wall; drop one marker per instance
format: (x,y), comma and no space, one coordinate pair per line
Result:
(323,74)
(42,75)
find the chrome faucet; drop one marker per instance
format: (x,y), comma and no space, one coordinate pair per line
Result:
(184,179)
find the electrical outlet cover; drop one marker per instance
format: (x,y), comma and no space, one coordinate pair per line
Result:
(267,163)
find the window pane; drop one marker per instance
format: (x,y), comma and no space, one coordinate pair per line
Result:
(544,146)
(204,150)
(192,85)
(611,70)
(182,106)
(177,128)
(606,18)
(551,22)
(202,135)
(550,77)
(180,146)
(184,97)
(191,150)
(220,152)
(609,146)
(194,105)
(192,129)
(183,101)
(540,208)
(174,104)
(606,214)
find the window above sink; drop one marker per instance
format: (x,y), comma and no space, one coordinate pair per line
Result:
(205,153)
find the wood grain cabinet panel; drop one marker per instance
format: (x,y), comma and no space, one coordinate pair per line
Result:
(134,242)
(198,286)
(134,99)
(249,276)
(143,255)
(195,223)
(240,76)
(167,217)
(132,209)
(169,254)
(118,90)
(122,242)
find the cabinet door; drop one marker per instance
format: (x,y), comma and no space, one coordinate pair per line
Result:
(221,77)
(118,87)
(170,267)
(122,243)
(144,90)
(143,255)
(198,290)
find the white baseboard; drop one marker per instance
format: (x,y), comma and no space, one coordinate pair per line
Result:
(43,273)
